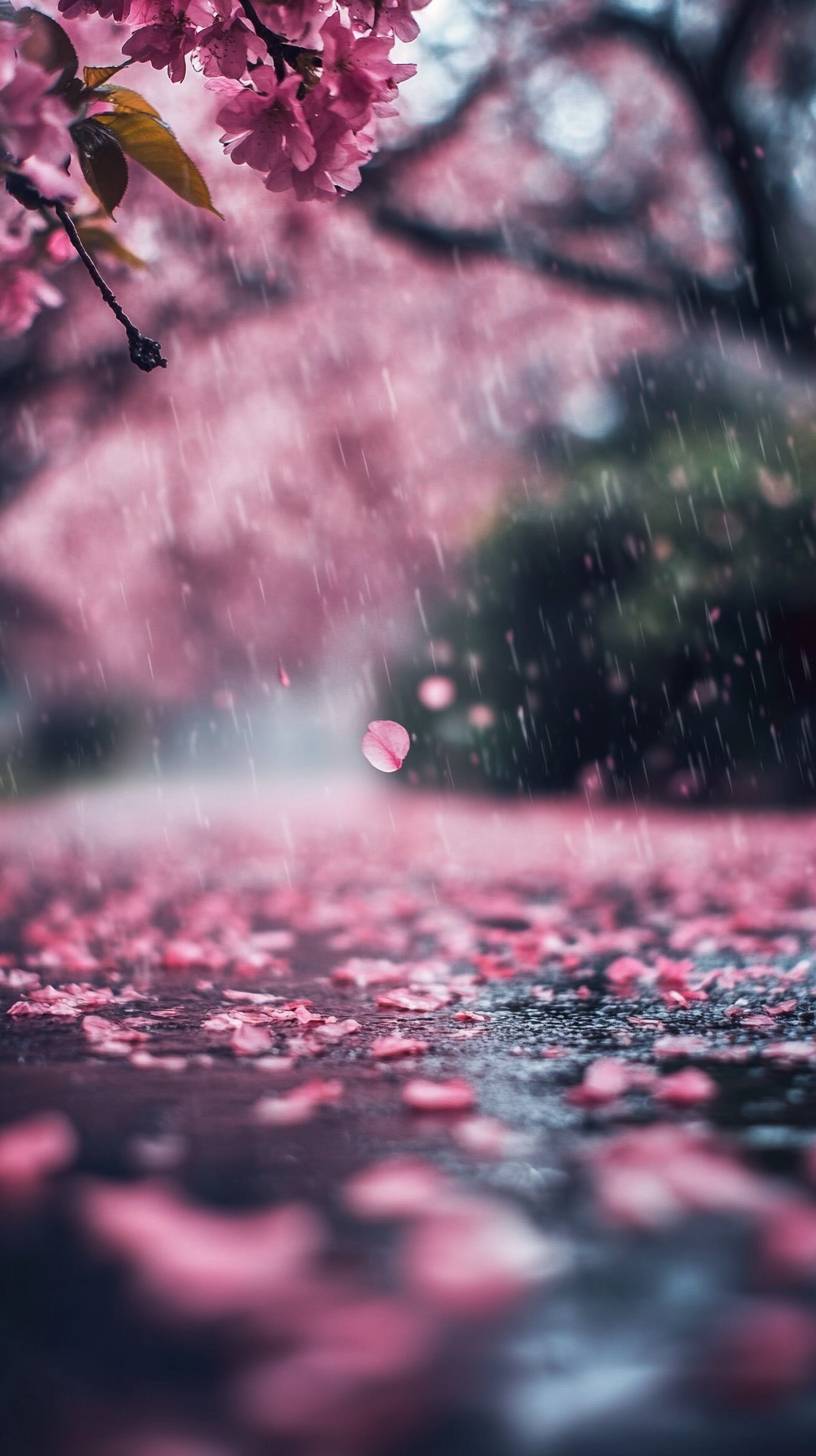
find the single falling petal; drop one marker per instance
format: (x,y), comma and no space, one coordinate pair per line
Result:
(283,676)
(436,692)
(385,745)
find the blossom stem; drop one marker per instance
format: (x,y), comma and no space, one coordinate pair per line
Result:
(280,50)
(146,353)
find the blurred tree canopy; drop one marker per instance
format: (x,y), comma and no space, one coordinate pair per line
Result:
(655,625)
(664,153)
(572,182)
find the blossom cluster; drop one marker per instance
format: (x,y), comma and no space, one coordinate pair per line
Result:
(301,87)
(303,83)
(33,138)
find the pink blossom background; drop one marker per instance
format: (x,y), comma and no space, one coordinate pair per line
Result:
(340,415)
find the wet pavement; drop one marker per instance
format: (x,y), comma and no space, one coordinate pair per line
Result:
(349,1121)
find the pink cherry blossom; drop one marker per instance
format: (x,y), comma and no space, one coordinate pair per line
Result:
(225,46)
(265,126)
(389,17)
(167,39)
(298,20)
(23,292)
(385,745)
(31,121)
(340,152)
(358,72)
(118,10)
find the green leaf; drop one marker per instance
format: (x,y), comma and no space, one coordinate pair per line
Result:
(99,240)
(94,76)
(148,141)
(103,162)
(47,45)
(123,99)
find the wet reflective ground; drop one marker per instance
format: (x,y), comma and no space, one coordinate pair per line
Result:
(352,1124)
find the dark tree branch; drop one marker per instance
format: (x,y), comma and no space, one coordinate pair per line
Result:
(764,299)
(281,51)
(146,353)
(735,37)
(442,241)
(691,299)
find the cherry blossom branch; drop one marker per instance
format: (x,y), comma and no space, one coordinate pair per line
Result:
(280,50)
(146,353)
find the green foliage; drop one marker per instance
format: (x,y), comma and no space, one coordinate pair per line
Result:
(658,620)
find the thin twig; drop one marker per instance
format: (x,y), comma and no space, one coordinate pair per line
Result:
(280,50)
(146,353)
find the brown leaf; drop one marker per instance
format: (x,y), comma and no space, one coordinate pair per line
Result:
(94,76)
(123,99)
(103,162)
(148,141)
(99,240)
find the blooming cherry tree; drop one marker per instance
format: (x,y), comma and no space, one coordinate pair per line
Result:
(301,87)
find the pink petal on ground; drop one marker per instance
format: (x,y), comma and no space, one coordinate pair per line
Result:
(487,1137)
(625,973)
(475,1256)
(684,1089)
(789,1238)
(199,1264)
(361,972)
(395,1188)
(250,1041)
(423,1095)
(31,1150)
(403,998)
(606,1079)
(298,1105)
(333,1030)
(387,1047)
(385,745)
(762,1352)
(336,1381)
(649,1176)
